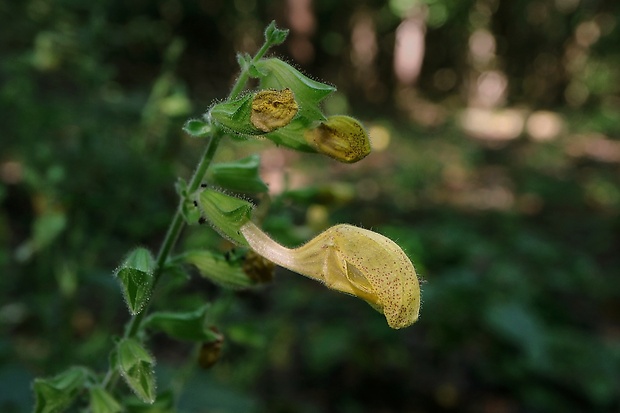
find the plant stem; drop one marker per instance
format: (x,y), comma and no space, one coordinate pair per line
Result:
(177,224)
(172,235)
(244,76)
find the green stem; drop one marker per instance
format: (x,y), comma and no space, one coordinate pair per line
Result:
(177,224)
(172,235)
(245,76)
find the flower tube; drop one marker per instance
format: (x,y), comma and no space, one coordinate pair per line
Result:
(352,260)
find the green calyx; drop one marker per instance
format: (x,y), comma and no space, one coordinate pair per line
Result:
(136,366)
(256,113)
(225,213)
(277,74)
(136,278)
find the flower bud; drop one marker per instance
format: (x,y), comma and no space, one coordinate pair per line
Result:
(256,113)
(273,109)
(352,260)
(340,137)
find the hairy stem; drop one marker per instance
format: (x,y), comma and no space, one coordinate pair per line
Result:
(177,223)
(172,235)
(176,226)
(244,76)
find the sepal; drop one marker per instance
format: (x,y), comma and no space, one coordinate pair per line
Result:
(275,36)
(225,213)
(56,393)
(103,402)
(136,278)
(308,92)
(197,128)
(136,366)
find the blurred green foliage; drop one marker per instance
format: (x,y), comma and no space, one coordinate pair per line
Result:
(517,239)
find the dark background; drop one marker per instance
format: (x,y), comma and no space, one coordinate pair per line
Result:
(496,167)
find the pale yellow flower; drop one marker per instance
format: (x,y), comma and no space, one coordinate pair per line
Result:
(352,260)
(340,137)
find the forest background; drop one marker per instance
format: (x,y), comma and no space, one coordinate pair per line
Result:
(496,165)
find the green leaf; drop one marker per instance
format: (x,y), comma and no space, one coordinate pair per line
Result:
(275,36)
(197,128)
(102,402)
(240,176)
(246,63)
(180,187)
(308,93)
(255,72)
(219,270)
(225,213)
(136,278)
(136,367)
(188,326)
(244,60)
(55,394)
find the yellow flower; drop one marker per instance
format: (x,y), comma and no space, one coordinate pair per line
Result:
(352,260)
(340,137)
(273,109)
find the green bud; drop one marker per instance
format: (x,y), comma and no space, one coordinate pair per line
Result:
(275,36)
(197,128)
(136,278)
(136,366)
(57,393)
(234,115)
